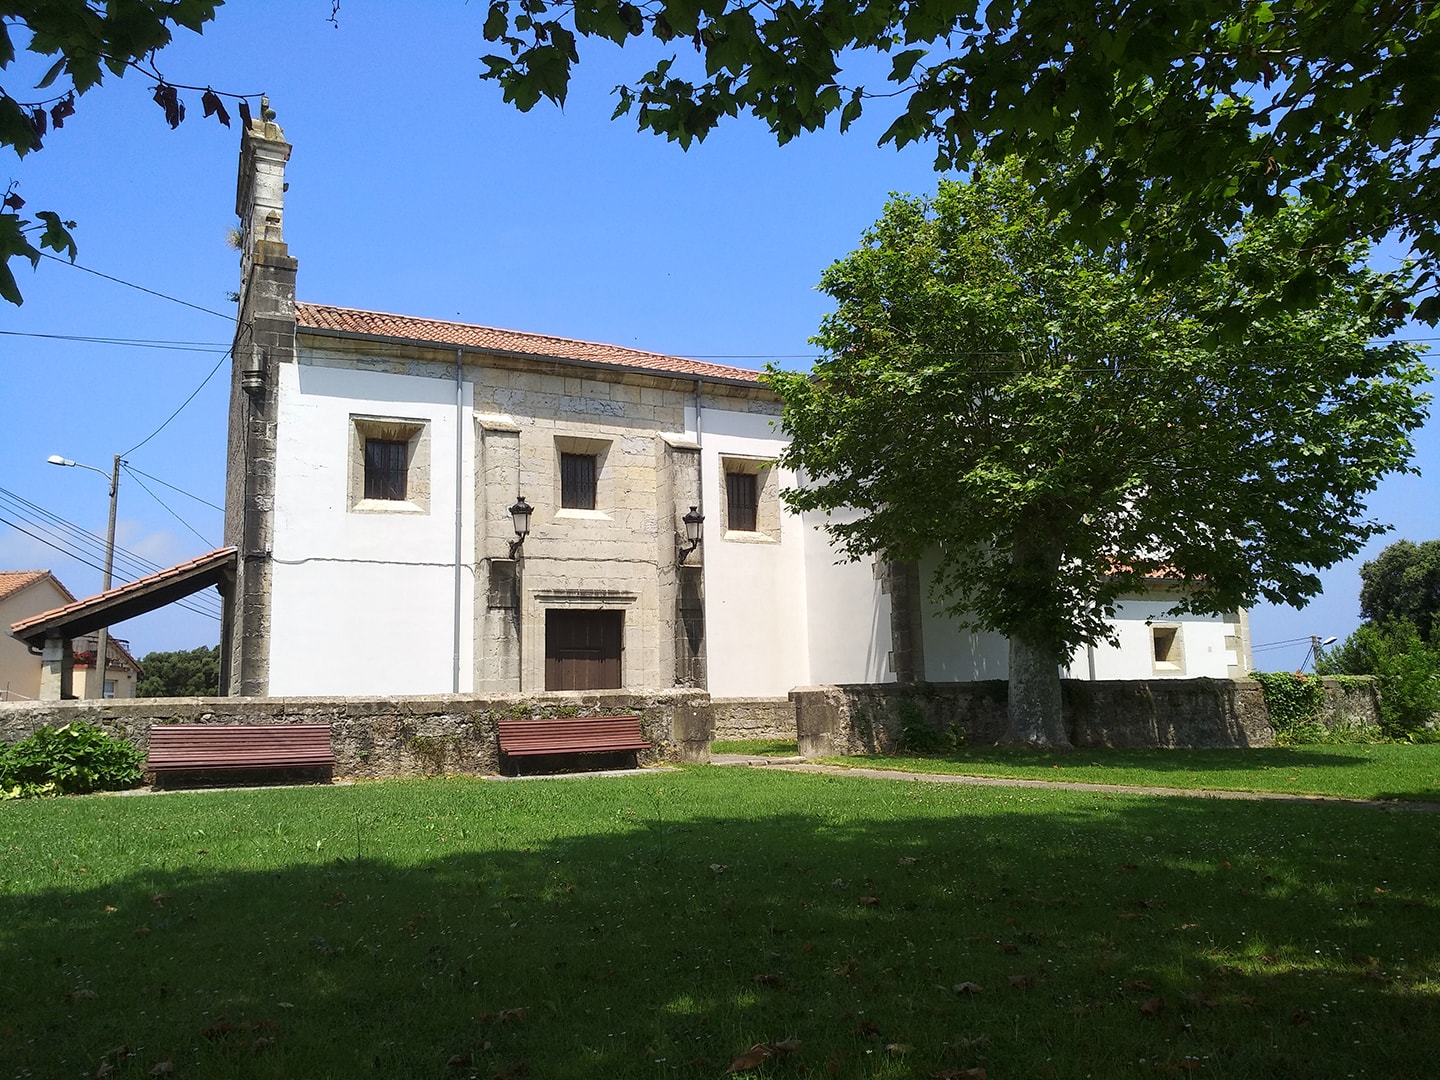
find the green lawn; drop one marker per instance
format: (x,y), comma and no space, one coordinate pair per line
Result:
(662,925)
(1356,772)
(759,747)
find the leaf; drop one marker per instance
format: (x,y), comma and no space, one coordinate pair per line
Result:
(1152,1006)
(214,106)
(1022,982)
(13,201)
(162,1068)
(898,1049)
(751,1059)
(244,110)
(968,988)
(869,901)
(771,978)
(168,99)
(904,63)
(53,74)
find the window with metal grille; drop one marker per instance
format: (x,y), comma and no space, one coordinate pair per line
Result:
(740,502)
(385,467)
(577,481)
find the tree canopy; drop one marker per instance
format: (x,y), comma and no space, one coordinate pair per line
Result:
(1188,115)
(186,673)
(1404,584)
(87,39)
(1018,406)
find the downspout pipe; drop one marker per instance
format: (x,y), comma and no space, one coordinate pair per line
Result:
(459,508)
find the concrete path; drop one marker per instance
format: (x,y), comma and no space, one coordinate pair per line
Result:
(796,764)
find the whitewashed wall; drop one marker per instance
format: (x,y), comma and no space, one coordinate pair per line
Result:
(756,637)
(1201,641)
(848,612)
(364,602)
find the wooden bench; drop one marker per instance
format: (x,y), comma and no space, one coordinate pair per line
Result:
(530,739)
(189,748)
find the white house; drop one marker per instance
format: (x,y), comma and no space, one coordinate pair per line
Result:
(375,460)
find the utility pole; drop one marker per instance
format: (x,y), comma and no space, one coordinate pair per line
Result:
(102,649)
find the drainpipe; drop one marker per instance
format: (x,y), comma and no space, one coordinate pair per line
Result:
(700,438)
(459,507)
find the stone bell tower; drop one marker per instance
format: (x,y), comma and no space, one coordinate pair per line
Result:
(264,340)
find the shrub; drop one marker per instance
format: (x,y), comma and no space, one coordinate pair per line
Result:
(68,760)
(1295,704)
(1406,670)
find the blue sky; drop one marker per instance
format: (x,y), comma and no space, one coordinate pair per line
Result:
(414,189)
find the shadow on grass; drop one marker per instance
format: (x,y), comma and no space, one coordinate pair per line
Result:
(1185,760)
(660,926)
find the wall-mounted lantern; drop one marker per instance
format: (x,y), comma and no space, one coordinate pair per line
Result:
(520,517)
(694,525)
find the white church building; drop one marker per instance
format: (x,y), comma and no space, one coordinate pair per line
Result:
(427,507)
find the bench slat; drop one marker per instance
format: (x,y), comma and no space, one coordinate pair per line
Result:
(583,735)
(180,747)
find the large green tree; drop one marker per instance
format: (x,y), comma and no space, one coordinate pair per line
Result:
(1404,583)
(1018,406)
(187,673)
(81,41)
(1189,113)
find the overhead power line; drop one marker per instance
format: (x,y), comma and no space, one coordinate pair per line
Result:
(81,544)
(155,479)
(146,488)
(210,347)
(228,316)
(180,603)
(193,394)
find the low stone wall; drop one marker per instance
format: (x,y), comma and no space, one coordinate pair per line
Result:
(753,718)
(1172,713)
(393,736)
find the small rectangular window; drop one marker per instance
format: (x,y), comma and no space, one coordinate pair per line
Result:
(1165,645)
(385,468)
(577,481)
(740,501)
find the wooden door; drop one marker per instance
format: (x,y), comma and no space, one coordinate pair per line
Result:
(582,649)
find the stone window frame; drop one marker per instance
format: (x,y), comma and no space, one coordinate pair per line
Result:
(767,499)
(586,446)
(1167,648)
(415,433)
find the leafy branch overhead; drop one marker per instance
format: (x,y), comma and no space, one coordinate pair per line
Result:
(1189,115)
(87,40)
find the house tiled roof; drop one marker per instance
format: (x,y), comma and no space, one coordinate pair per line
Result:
(214,559)
(12,581)
(375,324)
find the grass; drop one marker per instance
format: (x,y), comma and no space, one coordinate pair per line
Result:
(758,747)
(661,925)
(1385,771)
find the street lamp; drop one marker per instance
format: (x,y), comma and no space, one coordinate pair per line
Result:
(520,518)
(1315,646)
(102,647)
(694,530)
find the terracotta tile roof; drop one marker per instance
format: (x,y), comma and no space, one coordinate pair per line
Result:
(509,342)
(12,581)
(215,558)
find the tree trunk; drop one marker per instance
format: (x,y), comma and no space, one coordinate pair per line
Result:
(1034,710)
